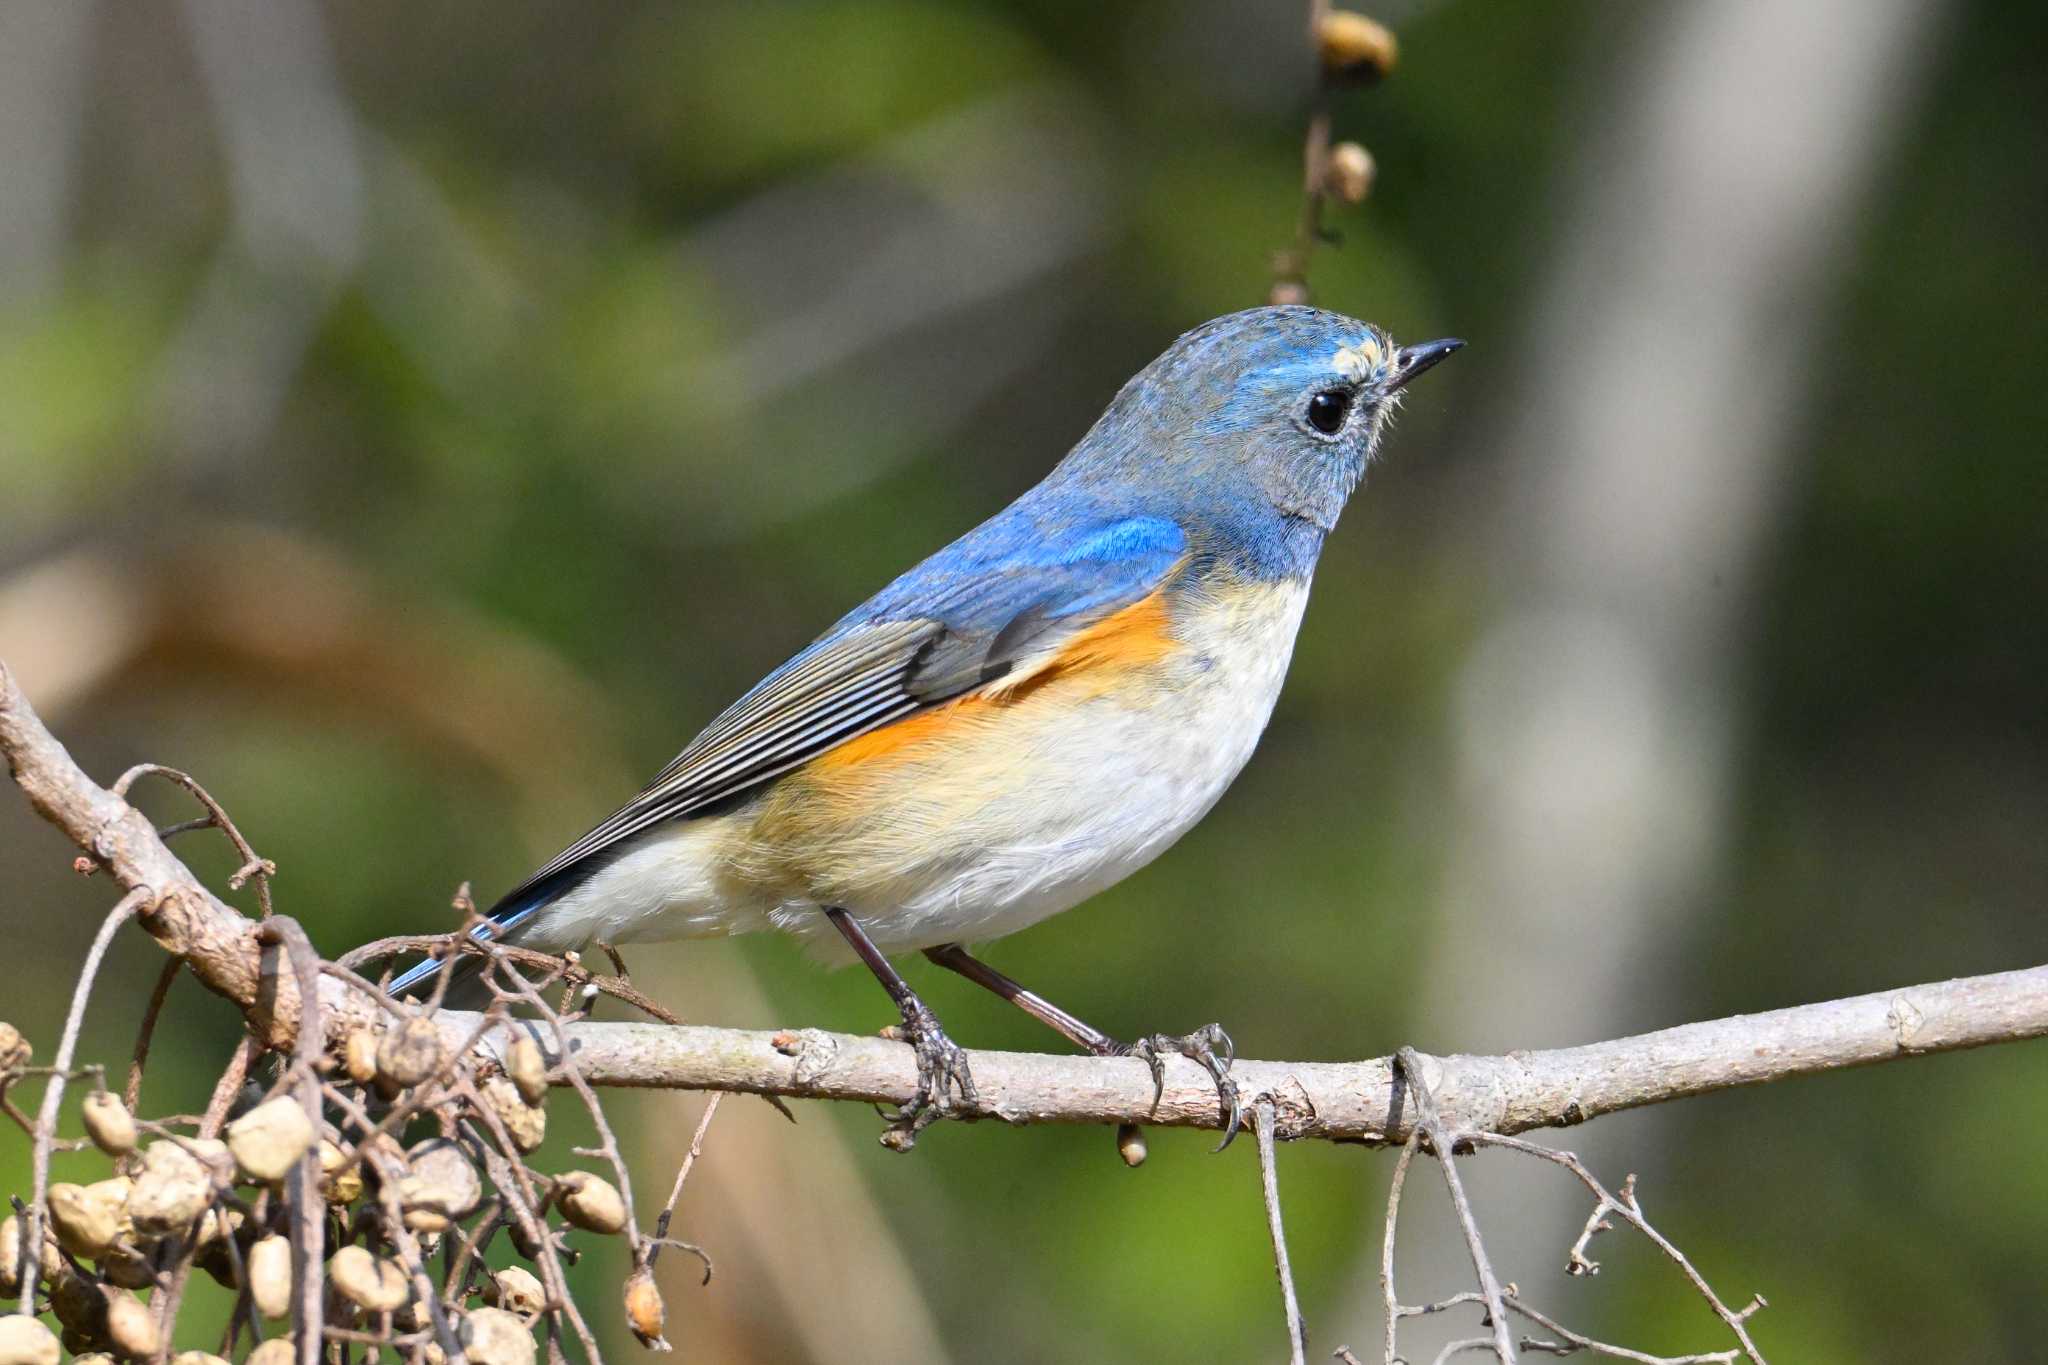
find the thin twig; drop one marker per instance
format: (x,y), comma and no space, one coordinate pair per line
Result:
(1389,1300)
(509,1176)
(228,1087)
(178,1273)
(253,864)
(53,1093)
(1441,1142)
(490,1217)
(1290,267)
(1269,1184)
(682,1174)
(308,1207)
(1572,1343)
(570,969)
(1628,1208)
(132,1094)
(608,1143)
(389,1172)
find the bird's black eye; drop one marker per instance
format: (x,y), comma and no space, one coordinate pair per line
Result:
(1327,410)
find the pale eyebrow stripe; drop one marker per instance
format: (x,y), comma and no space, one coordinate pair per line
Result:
(1358,361)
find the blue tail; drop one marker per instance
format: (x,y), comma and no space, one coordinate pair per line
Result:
(519,906)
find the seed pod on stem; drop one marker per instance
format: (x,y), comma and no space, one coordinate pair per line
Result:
(270,1276)
(1348,174)
(79,1304)
(336,1185)
(15,1053)
(516,1290)
(174,1186)
(128,1267)
(10,1257)
(440,1187)
(409,1053)
(359,1055)
(268,1140)
(644,1311)
(492,1336)
(1355,50)
(131,1328)
(25,1341)
(86,1220)
(590,1203)
(370,1282)
(527,1123)
(523,1063)
(108,1123)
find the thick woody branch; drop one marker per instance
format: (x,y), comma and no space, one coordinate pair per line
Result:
(1344,1101)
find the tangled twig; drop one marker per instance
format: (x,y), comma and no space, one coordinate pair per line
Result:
(216,817)
(1497,1301)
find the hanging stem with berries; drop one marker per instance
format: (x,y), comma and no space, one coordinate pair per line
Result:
(1352,52)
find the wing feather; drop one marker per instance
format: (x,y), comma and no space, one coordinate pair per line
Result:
(974,620)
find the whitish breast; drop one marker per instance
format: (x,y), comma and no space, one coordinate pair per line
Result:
(1066,796)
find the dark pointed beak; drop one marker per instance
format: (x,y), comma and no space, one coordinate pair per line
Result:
(1413,360)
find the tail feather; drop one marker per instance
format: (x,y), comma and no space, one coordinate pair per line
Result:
(500,925)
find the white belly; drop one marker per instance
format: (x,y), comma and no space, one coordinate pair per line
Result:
(991,843)
(1106,797)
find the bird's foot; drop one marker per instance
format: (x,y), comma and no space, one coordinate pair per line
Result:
(942,1070)
(1212,1048)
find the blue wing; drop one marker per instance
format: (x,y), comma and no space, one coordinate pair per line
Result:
(1006,593)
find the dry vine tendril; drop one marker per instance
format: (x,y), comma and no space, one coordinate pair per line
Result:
(1497,1302)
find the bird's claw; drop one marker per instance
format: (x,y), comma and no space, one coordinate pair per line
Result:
(942,1069)
(1212,1048)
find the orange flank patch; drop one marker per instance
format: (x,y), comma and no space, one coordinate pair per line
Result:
(1131,638)
(1090,662)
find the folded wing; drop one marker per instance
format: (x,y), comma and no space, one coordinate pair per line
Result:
(964,619)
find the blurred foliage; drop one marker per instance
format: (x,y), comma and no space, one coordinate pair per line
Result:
(675,330)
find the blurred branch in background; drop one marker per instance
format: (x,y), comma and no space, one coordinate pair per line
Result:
(42,85)
(297,621)
(1649,431)
(296,188)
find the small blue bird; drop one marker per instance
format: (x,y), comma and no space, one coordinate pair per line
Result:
(1027,717)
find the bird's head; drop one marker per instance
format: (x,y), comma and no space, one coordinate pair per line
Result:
(1283,405)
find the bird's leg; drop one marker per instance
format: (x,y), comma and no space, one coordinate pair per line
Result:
(941,1064)
(1088,1038)
(1210,1045)
(618,963)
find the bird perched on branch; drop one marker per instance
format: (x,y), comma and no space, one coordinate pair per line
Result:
(1027,717)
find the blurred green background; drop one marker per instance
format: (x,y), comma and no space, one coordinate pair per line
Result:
(417,420)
